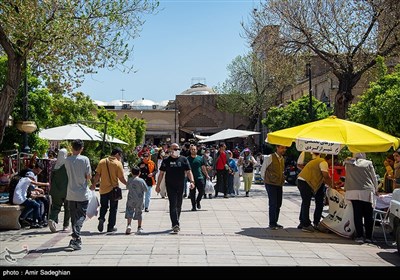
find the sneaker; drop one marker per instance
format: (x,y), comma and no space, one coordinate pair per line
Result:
(139,230)
(198,205)
(273,227)
(300,226)
(367,240)
(225,196)
(309,228)
(52,226)
(36,225)
(128,229)
(74,245)
(146,209)
(359,240)
(100,227)
(176,229)
(114,229)
(279,226)
(24,223)
(66,228)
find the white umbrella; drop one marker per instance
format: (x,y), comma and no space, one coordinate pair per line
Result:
(229,133)
(76,131)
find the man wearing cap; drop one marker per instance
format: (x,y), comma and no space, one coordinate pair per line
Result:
(20,198)
(109,171)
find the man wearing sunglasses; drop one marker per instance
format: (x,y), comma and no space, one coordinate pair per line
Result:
(176,168)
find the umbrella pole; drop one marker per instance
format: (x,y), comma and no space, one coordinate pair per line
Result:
(104,140)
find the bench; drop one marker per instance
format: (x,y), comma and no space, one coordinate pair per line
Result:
(9,216)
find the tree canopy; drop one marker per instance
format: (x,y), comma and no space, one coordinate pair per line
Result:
(64,40)
(347,35)
(379,106)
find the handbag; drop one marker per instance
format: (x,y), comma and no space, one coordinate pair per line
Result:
(116,193)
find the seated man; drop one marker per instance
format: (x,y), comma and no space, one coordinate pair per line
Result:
(20,198)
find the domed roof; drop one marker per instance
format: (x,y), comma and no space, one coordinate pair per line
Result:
(115,103)
(198,89)
(99,103)
(143,102)
(163,103)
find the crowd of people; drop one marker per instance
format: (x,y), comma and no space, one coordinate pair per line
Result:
(178,172)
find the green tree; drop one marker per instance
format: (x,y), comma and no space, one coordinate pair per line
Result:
(347,35)
(64,40)
(72,108)
(379,106)
(294,113)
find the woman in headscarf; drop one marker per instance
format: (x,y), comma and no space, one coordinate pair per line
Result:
(247,162)
(58,192)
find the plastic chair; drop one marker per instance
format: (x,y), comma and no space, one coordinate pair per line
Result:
(381,217)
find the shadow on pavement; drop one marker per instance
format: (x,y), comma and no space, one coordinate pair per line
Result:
(293,234)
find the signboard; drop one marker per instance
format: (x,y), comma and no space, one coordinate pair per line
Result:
(318,146)
(340,219)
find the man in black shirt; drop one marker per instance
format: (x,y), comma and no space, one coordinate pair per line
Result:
(176,168)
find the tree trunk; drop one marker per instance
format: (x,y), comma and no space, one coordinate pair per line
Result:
(344,96)
(9,91)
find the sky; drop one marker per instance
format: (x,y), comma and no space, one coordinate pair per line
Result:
(186,42)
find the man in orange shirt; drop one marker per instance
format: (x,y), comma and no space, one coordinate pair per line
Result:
(108,171)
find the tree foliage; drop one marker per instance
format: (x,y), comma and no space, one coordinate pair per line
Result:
(347,35)
(379,106)
(64,40)
(294,113)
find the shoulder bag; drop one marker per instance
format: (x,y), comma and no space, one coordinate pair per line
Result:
(116,193)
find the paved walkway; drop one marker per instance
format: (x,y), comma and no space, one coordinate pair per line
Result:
(225,232)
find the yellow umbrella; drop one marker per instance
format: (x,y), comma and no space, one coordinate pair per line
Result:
(331,134)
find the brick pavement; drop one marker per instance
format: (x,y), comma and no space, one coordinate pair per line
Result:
(225,232)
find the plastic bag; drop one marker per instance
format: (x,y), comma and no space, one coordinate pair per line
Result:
(92,209)
(209,188)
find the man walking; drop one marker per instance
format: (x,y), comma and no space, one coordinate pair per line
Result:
(272,173)
(109,170)
(198,166)
(78,172)
(175,167)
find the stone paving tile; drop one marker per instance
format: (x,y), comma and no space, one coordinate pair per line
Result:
(226,232)
(281,261)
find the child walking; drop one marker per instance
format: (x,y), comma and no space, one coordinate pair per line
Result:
(134,204)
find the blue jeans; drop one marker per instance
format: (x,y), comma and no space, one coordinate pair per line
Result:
(274,202)
(77,209)
(306,194)
(147,197)
(31,206)
(105,200)
(175,197)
